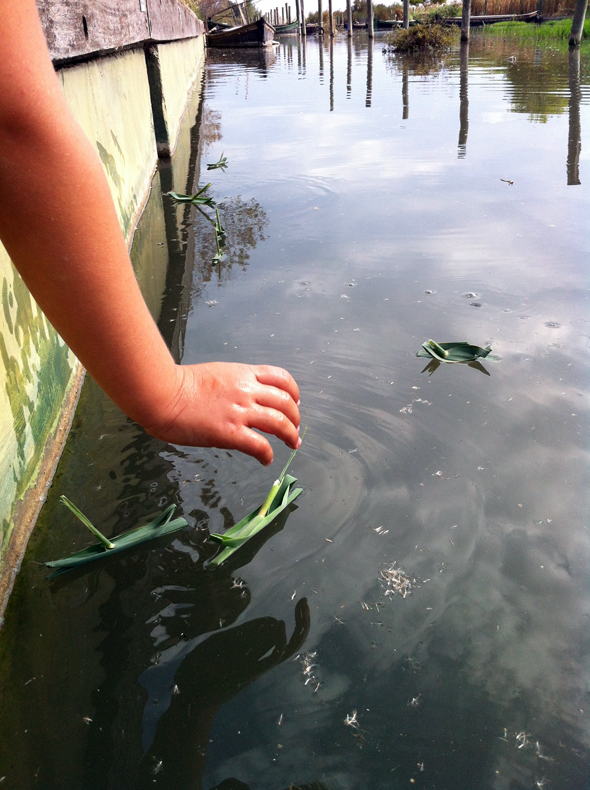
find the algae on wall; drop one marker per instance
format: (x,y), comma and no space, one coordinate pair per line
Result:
(36,371)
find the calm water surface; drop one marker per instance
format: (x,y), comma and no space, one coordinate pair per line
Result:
(370,204)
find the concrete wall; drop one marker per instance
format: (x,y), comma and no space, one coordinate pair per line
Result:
(115,98)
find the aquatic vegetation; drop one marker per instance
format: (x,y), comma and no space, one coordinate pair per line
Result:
(221,164)
(164,524)
(198,199)
(422,38)
(558,29)
(460,351)
(279,497)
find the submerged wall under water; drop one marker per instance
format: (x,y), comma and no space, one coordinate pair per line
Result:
(127,68)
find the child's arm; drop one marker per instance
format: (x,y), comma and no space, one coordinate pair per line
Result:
(59,226)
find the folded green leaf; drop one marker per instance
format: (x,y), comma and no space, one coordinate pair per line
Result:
(220,165)
(198,199)
(254,521)
(460,351)
(164,524)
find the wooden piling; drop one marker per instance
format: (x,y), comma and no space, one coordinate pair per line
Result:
(466,20)
(370,20)
(303,27)
(578,22)
(331,15)
(349,17)
(406,21)
(320,19)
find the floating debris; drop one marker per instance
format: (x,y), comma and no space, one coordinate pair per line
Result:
(396,581)
(157,767)
(351,720)
(521,739)
(307,661)
(415,701)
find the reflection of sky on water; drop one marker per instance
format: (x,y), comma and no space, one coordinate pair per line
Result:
(481,486)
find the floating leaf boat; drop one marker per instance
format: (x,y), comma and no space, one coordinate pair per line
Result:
(280,496)
(254,522)
(164,524)
(459,352)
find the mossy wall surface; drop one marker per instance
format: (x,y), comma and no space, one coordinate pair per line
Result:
(110,98)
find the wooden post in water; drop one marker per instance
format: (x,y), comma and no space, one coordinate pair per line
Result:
(331,15)
(320,19)
(303,28)
(349,17)
(406,22)
(298,15)
(370,20)
(578,22)
(466,20)
(574,139)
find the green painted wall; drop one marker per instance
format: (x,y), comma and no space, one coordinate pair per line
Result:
(39,375)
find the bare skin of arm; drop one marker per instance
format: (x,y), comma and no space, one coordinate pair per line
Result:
(59,226)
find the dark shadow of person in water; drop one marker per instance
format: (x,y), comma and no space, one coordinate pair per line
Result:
(210,675)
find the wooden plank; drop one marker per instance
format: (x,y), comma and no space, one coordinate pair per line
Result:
(80,29)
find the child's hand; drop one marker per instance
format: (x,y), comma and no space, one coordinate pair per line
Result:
(217,404)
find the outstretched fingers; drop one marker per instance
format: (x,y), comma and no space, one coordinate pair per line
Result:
(277,377)
(275,422)
(251,443)
(278,400)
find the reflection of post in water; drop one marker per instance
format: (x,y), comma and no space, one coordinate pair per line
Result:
(574,140)
(464,100)
(405,92)
(369,72)
(303,54)
(176,297)
(331,75)
(349,70)
(321,50)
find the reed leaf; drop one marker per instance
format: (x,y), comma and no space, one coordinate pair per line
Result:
(254,521)
(219,165)
(164,524)
(198,199)
(459,352)
(279,497)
